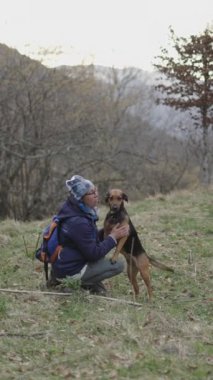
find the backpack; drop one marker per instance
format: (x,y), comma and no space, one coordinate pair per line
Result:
(50,247)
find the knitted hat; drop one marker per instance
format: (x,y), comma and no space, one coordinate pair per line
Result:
(79,186)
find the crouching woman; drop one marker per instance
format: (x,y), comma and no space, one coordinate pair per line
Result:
(83,253)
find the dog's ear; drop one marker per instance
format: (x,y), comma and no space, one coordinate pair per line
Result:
(125,197)
(107,196)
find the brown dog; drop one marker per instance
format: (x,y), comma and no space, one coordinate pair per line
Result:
(131,247)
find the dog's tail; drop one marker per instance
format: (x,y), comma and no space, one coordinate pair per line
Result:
(159,265)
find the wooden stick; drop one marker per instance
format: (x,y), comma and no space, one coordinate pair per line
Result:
(25,246)
(105,298)
(69,294)
(36,292)
(118,300)
(21,335)
(37,241)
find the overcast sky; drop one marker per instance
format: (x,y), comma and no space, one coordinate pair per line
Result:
(116,33)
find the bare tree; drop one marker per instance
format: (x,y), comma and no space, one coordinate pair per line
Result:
(39,128)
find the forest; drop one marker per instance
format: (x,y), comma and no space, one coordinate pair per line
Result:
(110,125)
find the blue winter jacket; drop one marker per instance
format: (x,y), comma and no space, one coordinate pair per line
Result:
(80,240)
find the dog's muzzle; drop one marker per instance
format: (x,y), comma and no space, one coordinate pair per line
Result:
(114,208)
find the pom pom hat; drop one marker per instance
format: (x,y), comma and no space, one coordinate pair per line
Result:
(79,186)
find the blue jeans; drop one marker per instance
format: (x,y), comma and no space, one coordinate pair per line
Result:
(100,270)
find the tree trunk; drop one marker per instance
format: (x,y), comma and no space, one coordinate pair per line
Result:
(205,169)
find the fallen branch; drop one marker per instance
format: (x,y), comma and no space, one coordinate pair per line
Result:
(36,292)
(132,303)
(20,335)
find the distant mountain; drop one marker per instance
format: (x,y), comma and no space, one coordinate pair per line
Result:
(158,116)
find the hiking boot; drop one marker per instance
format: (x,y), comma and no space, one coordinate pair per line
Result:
(52,282)
(64,289)
(97,288)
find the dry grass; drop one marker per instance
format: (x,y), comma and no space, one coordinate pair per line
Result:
(75,337)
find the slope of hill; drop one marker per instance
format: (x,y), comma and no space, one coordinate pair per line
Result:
(76,335)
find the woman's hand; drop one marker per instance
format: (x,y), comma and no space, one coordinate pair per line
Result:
(119,231)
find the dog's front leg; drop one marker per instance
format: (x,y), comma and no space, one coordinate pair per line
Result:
(118,249)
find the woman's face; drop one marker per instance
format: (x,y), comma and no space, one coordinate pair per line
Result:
(91,198)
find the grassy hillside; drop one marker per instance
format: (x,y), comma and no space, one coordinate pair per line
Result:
(79,336)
